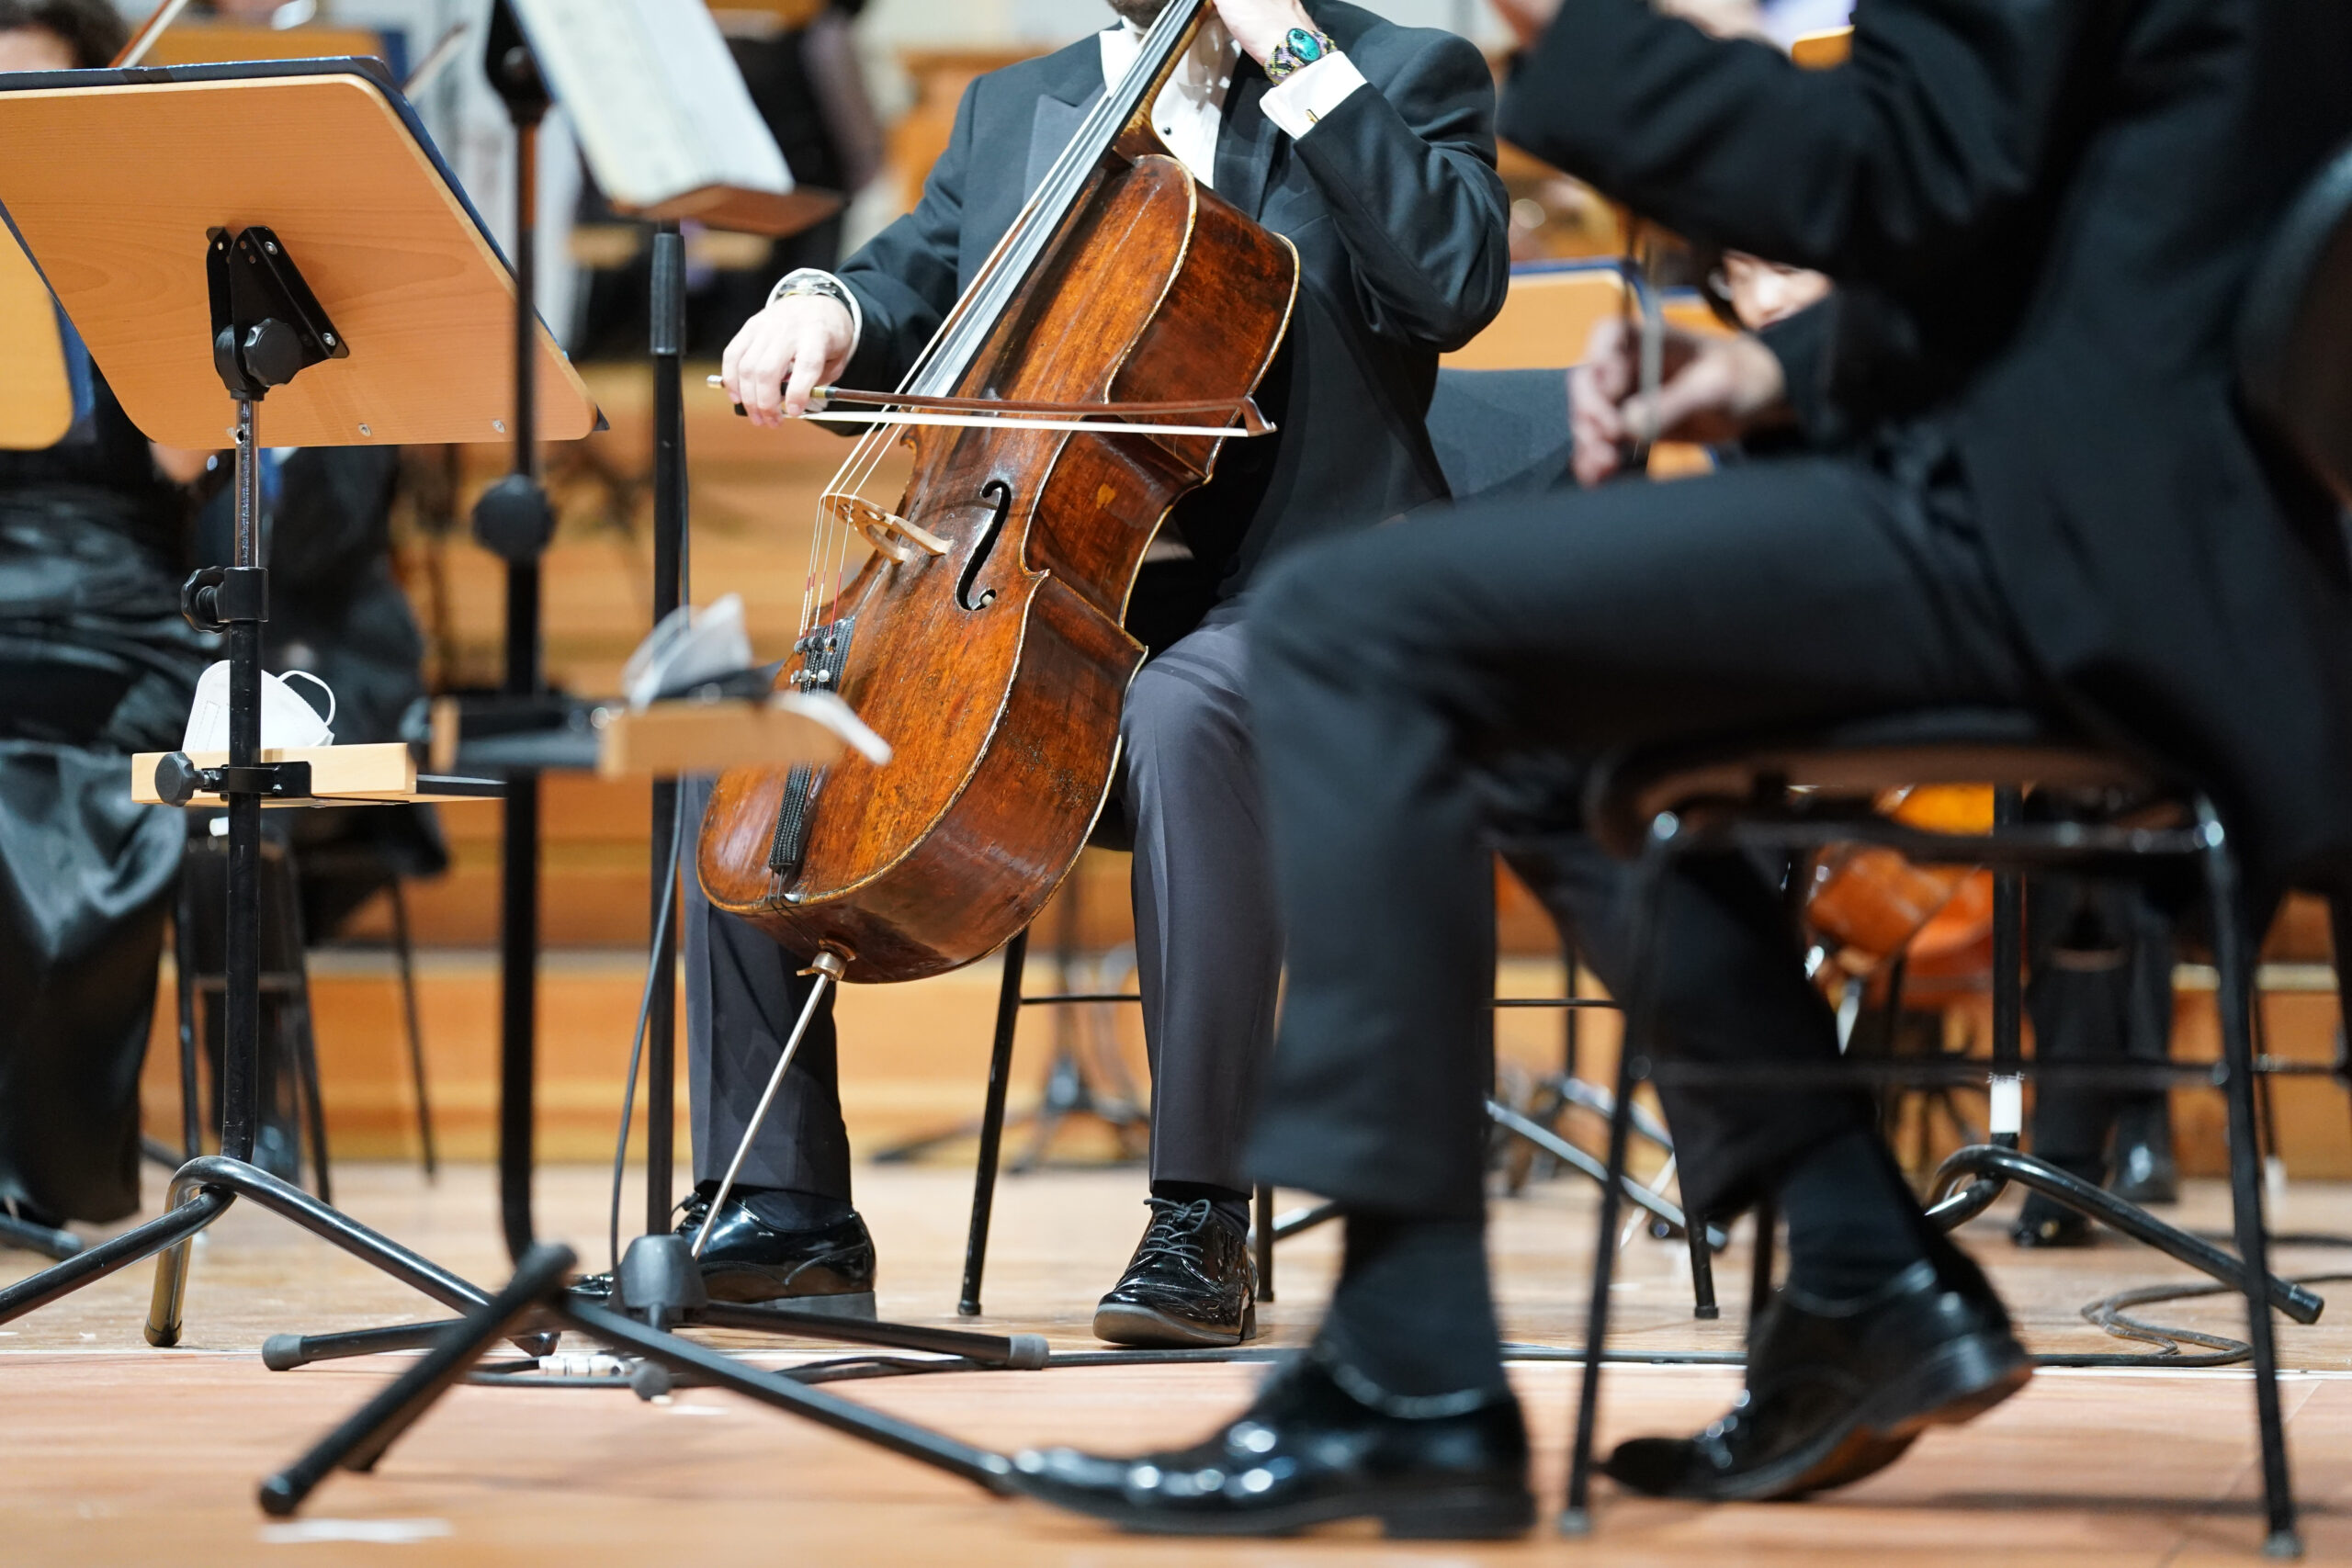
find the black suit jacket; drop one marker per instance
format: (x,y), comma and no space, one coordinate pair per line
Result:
(2042,215)
(1400,220)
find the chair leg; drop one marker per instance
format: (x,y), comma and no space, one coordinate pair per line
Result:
(2339,925)
(404,956)
(1759,1277)
(1262,1232)
(2234,997)
(2006,1122)
(1576,1517)
(294,1014)
(1008,1015)
(1703,1268)
(183,965)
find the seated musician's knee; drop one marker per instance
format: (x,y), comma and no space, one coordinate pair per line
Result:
(1172,708)
(1320,611)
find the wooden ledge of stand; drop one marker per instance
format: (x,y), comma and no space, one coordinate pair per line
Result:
(663,740)
(673,737)
(381,774)
(736,210)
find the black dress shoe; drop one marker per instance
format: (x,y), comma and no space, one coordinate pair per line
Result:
(1319,1444)
(828,1268)
(2145,1171)
(1192,1281)
(1838,1389)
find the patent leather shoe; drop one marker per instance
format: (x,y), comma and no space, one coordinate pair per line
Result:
(1320,1444)
(1191,1282)
(2145,1171)
(1838,1389)
(827,1268)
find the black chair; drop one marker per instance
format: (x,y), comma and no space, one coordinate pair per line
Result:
(359,868)
(1787,793)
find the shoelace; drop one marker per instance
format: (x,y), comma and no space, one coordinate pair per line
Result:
(1175,1231)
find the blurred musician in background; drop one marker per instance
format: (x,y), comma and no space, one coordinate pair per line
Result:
(94,663)
(2041,221)
(1371,146)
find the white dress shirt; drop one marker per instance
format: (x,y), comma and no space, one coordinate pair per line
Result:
(1192,106)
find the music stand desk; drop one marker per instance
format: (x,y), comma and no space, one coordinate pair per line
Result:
(298,210)
(111,179)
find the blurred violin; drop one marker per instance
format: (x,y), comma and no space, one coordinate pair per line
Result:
(1869,905)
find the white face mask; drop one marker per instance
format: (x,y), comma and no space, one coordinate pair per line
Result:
(287,717)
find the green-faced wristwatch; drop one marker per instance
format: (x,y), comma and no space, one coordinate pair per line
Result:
(1299,49)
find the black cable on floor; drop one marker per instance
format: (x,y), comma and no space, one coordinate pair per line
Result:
(637,1047)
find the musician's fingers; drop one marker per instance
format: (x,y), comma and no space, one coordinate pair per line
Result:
(1697,405)
(1595,462)
(1608,354)
(759,376)
(729,364)
(1592,412)
(808,367)
(1597,431)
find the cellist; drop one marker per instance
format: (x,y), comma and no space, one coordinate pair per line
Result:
(1371,147)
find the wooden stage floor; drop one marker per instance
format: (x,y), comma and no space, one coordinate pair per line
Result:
(111,1452)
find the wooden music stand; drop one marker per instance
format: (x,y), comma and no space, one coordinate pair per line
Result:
(280,232)
(36,396)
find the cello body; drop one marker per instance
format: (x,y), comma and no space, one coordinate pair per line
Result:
(997,670)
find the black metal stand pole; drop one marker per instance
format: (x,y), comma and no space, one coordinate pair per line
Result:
(514,520)
(669,317)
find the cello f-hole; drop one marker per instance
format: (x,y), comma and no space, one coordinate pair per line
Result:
(997,494)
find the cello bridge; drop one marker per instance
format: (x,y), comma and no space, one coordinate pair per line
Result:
(891,534)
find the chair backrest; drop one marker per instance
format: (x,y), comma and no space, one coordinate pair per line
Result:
(2295,333)
(1823,51)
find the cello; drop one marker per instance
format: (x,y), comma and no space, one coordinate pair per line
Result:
(982,638)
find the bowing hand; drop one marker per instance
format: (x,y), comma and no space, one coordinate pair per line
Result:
(794,344)
(1711,390)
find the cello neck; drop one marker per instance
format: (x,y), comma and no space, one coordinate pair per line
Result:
(1124,108)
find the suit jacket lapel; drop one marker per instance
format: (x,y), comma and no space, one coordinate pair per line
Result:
(1061,109)
(1247,141)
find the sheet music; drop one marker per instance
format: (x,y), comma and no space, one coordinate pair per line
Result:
(658,104)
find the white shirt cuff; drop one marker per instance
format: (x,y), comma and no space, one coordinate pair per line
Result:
(1309,93)
(856,312)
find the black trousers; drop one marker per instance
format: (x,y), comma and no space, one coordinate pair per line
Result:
(1426,692)
(743,995)
(1208,954)
(2101,992)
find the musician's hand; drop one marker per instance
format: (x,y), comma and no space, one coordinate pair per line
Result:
(1711,389)
(796,344)
(1527,18)
(1259,25)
